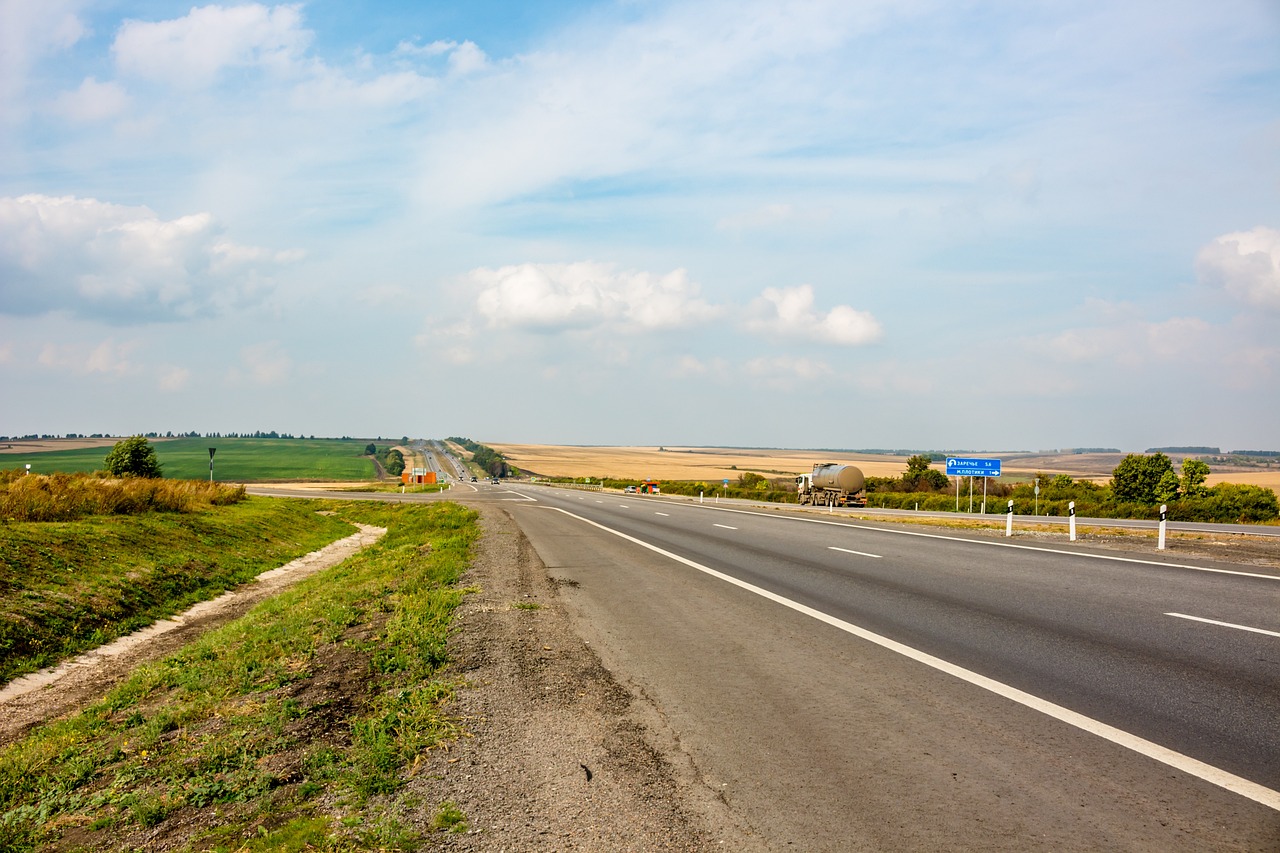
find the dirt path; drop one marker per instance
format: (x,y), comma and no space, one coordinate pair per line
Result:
(51,693)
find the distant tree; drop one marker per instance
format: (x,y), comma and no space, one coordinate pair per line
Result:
(371,449)
(132,457)
(1194,474)
(917,465)
(1137,478)
(1167,488)
(920,477)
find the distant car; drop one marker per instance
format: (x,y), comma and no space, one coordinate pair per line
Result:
(495,481)
(631,490)
(474,480)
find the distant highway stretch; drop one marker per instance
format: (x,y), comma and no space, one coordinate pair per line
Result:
(843,685)
(849,685)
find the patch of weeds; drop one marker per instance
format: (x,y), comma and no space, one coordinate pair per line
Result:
(449,818)
(527,605)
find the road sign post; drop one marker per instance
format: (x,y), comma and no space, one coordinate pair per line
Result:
(1164,512)
(212,450)
(1008,522)
(1071,509)
(961,467)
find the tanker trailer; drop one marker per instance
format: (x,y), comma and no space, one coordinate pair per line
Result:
(839,485)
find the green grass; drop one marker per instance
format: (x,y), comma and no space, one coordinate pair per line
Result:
(238,460)
(229,734)
(69,586)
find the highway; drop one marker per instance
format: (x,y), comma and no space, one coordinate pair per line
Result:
(851,685)
(848,685)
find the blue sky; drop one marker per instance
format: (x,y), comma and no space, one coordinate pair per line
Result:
(813,224)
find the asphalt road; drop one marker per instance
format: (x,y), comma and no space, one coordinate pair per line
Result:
(845,685)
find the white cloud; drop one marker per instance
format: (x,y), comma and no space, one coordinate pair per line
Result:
(1245,264)
(120,263)
(262,364)
(108,357)
(781,368)
(789,313)
(29,32)
(192,50)
(555,297)
(174,379)
(92,101)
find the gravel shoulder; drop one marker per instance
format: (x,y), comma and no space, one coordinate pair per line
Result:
(558,756)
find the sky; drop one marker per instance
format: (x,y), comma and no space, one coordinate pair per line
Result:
(848,224)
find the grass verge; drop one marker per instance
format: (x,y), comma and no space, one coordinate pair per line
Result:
(283,730)
(69,586)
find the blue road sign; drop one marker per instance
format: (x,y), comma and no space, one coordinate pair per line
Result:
(957,466)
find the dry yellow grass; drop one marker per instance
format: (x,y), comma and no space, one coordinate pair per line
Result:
(1266,479)
(36,445)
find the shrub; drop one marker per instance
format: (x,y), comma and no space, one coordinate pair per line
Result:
(132,457)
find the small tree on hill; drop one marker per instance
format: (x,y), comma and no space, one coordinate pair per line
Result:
(132,457)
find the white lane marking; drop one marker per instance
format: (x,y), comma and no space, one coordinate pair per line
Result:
(725,526)
(859,553)
(1185,763)
(1000,544)
(663,514)
(624,506)
(1225,624)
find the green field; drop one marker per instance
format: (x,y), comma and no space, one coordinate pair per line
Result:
(238,460)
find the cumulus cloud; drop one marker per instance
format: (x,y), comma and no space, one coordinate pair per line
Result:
(463,58)
(789,313)
(556,297)
(92,101)
(122,264)
(28,33)
(1246,265)
(193,50)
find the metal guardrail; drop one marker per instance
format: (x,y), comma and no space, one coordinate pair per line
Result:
(582,487)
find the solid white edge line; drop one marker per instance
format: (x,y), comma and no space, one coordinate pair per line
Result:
(1225,624)
(859,553)
(1185,763)
(725,526)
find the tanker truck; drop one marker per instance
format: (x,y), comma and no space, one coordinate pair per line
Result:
(839,485)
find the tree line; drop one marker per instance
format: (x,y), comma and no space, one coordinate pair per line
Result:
(490,461)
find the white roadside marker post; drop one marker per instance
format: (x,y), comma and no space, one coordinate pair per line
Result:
(1164,511)
(1071,507)
(1008,523)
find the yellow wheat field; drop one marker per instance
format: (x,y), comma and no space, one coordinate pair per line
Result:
(711,464)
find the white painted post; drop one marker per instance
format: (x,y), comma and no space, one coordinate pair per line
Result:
(699,497)
(1008,522)
(1072,508)
(1164,511)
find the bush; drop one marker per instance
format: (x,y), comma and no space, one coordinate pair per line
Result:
(133,457)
